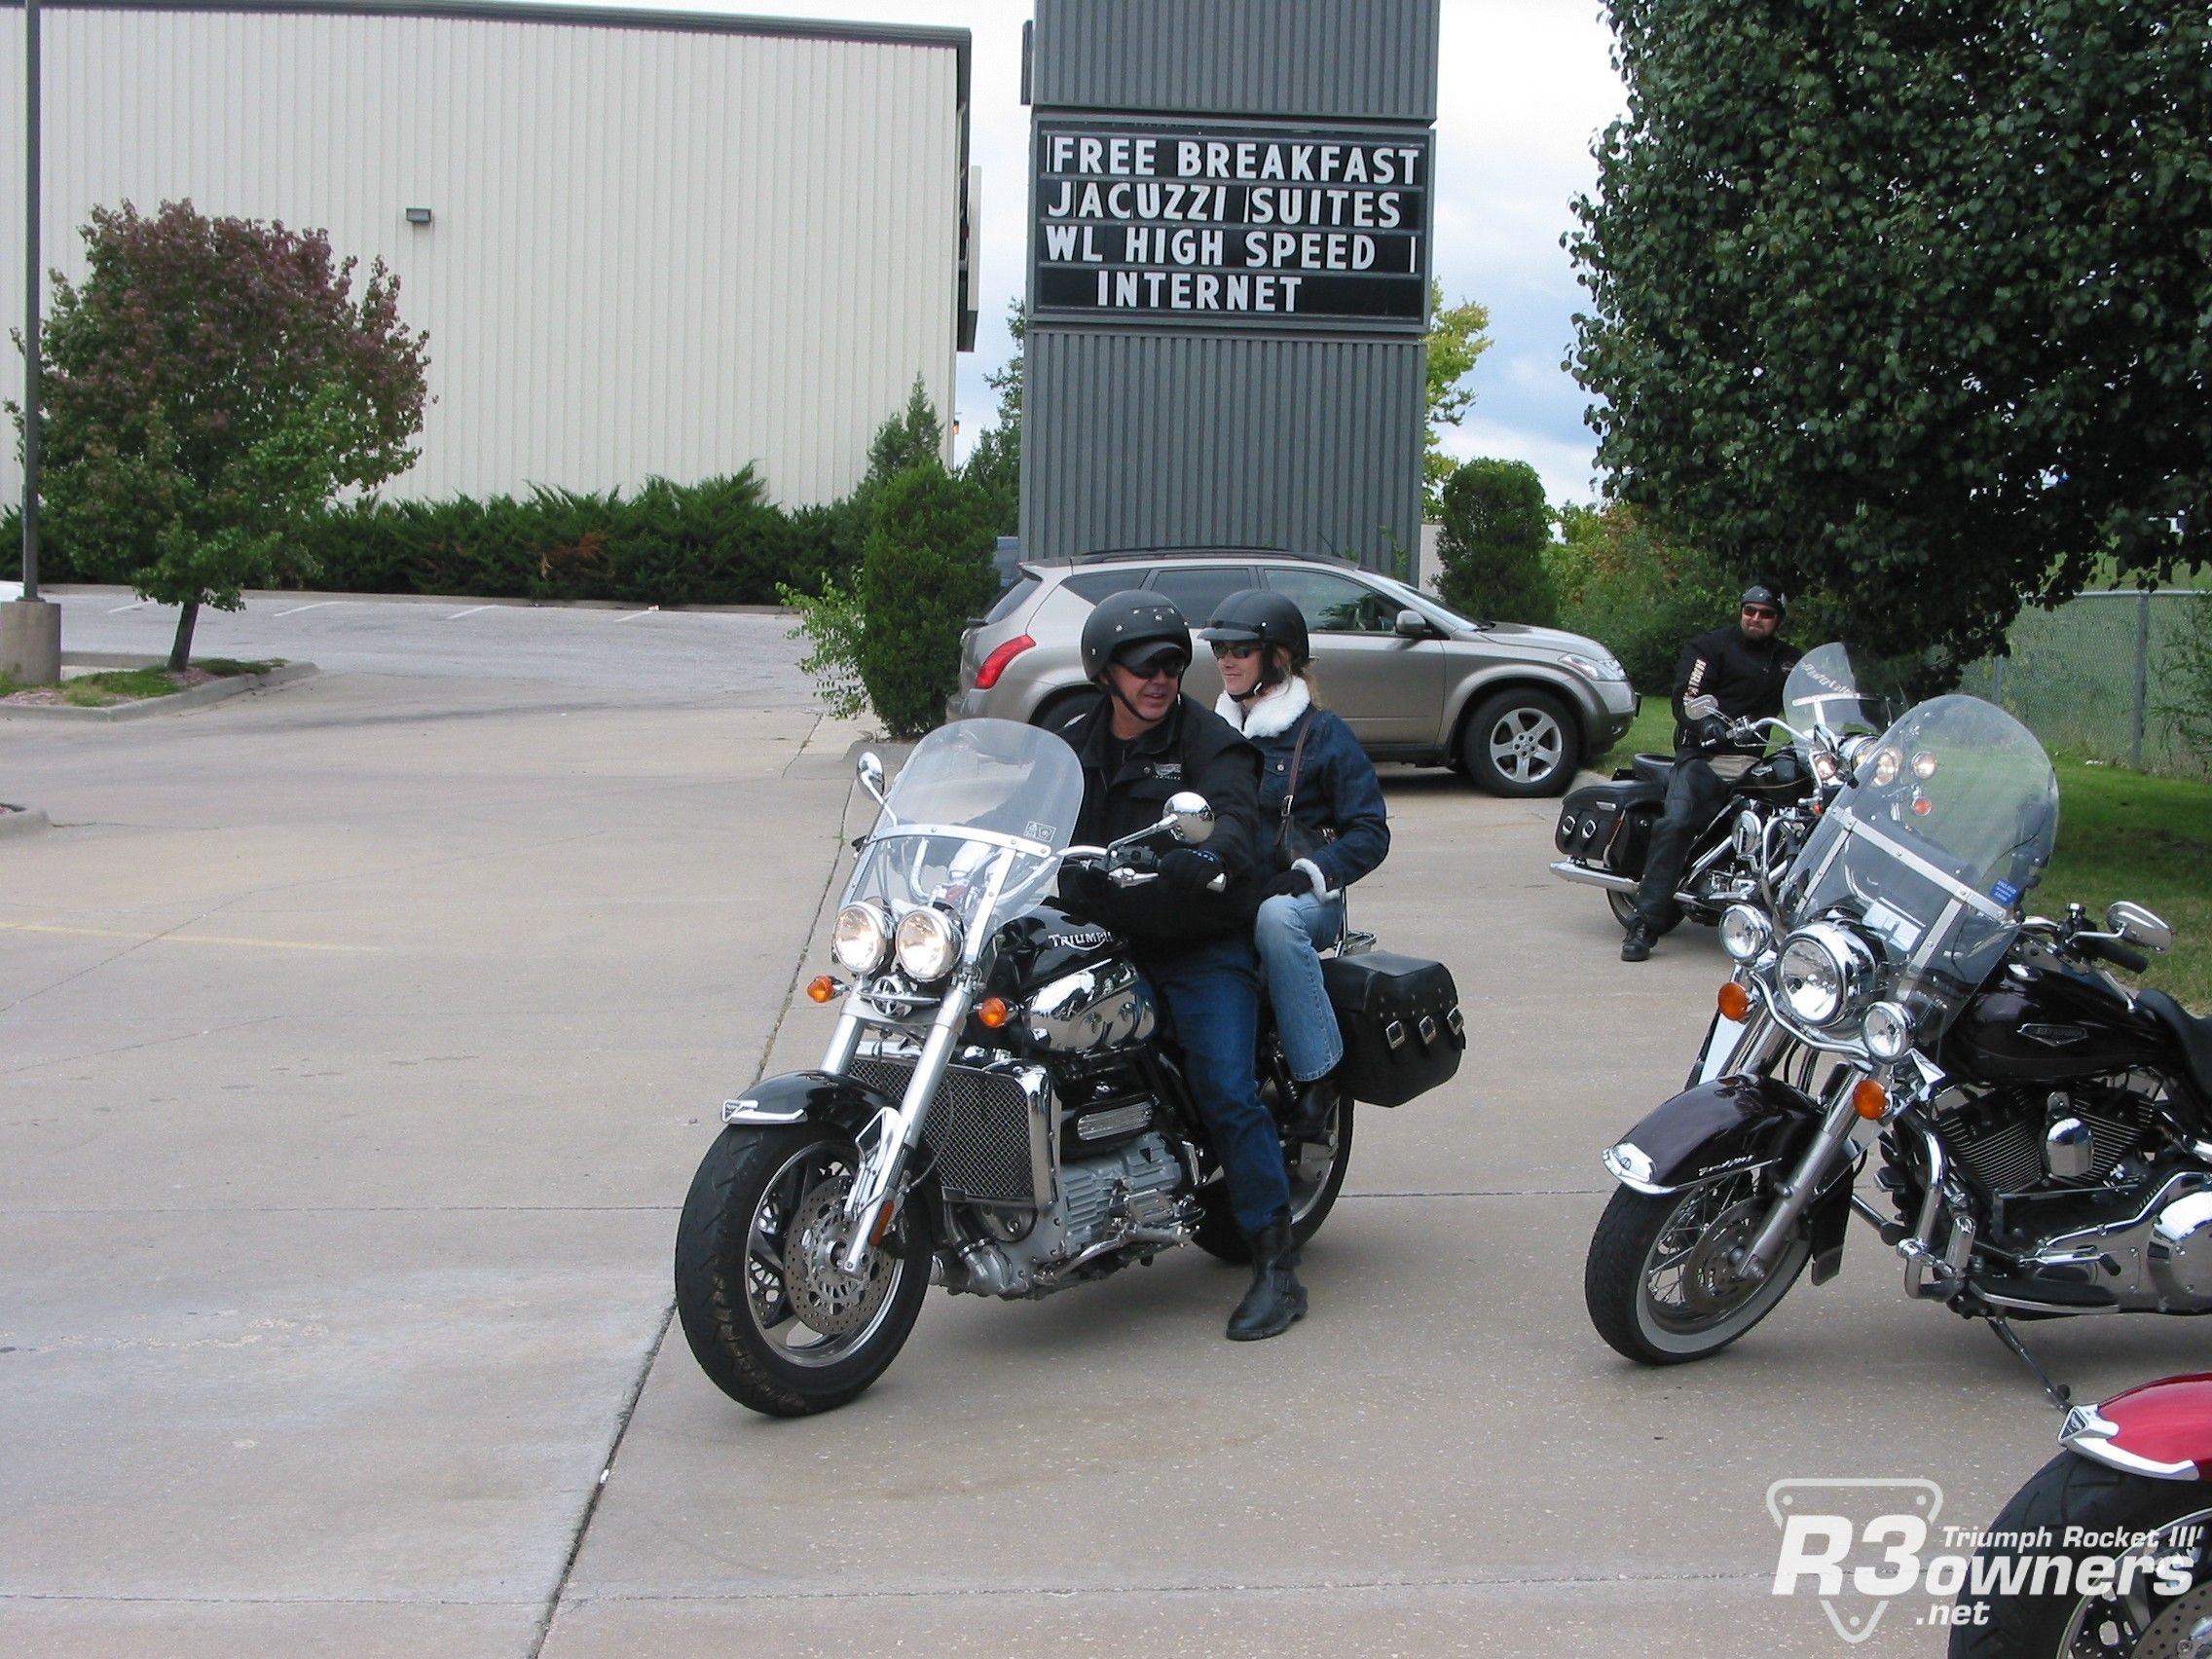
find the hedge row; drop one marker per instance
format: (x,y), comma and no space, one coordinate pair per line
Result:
(714,543)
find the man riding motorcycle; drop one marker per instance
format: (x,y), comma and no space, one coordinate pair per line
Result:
(1139,743)
(1728,675)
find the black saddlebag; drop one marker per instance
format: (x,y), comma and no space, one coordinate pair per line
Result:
(1400,1018)
(1609,825)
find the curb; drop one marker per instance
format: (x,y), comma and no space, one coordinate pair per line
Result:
(214,691)
(22,821)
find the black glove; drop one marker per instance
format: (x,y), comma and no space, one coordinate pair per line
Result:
(1184,871)
(1295,882)
(1712,732)
(1084,888)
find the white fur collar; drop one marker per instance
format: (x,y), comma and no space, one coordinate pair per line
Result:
(1271,716)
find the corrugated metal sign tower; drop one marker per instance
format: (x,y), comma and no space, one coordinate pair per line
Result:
(1229,267)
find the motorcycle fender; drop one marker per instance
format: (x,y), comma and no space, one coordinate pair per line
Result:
(2162,1429)
(1715,1130)
(810,1096)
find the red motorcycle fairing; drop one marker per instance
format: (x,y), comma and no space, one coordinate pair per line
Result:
(2162,1429)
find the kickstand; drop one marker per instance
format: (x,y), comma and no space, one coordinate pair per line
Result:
(2060,1395)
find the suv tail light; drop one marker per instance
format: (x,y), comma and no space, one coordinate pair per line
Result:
(994,665)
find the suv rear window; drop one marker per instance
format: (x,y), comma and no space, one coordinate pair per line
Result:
(1013,598)
(1094,585)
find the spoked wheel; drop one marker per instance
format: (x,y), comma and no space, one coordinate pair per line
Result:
(772,1318)
(1661,1280)
(1316,1170)
(2156,1585)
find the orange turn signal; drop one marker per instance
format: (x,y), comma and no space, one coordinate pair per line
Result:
(1869,1099)
(1735,1001)
(883,1218)
(822,989)
(993,1011)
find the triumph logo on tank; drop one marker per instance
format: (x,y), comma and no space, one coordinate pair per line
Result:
(1859,1544)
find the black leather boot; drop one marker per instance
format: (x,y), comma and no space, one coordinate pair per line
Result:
(1637,946)
(1310,1104)
(1276,1300)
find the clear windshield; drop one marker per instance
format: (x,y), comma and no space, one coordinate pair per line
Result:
(1835,692)
(1947,823)
(974,824)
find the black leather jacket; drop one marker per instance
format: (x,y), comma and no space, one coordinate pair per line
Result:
(1745,677)
(1193,749)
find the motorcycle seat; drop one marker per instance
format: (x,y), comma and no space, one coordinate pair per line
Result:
(2195,1035)
(1653,768)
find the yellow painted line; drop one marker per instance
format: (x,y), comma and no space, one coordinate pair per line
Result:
(178,939)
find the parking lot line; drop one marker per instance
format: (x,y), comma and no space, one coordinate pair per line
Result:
(134,605)
(317,606)
(178,939)
(470,612)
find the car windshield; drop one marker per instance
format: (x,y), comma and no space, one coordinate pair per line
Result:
(974,824)
(1948,820)
(1426,604)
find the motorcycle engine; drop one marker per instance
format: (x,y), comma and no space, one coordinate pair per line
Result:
(1104,1200)
(2025,1139)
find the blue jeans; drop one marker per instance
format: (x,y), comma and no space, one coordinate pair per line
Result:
(1291,928)
(1212,993)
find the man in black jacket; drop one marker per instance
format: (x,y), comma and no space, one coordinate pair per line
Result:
(1728,675)
(1140,743)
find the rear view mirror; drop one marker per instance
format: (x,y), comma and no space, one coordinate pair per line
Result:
(1189,817)
(1412,625)
(2138,926)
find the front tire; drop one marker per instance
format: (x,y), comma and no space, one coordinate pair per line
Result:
(1657,1283)
(2071,1490)
(1316,1173)
(769,1317)
(1519,744)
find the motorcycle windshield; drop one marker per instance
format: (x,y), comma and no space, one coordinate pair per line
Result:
(974,825)
(1837,692)
(1947,822)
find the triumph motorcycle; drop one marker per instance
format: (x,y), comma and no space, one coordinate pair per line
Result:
(1001,1109)
(2107,1548)
(2043,1135)
(1831,697)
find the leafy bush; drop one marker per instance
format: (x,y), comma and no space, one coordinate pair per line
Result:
(1642,596)
(1491,541)
(831,625)
(925,571)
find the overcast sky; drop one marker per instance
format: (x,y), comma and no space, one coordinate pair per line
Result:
(1524,87)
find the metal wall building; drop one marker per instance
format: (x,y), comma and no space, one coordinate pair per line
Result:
(1176,392)
(656,242)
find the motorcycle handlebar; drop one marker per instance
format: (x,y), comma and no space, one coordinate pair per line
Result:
(2113,951)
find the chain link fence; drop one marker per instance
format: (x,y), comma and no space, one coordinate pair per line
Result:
(2090,677)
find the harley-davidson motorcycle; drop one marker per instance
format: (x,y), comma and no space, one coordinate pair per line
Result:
(1832,696)
(2107,1548)
(1000,1109)
(2043,1134)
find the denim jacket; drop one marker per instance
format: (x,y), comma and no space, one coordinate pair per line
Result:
(1338,820)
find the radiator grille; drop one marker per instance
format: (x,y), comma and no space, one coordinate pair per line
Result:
(978,1128)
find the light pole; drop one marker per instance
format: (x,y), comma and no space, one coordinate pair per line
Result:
(30,628)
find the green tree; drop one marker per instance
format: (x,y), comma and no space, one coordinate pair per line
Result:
(1491,543)
(1457,334)
(1908,302)
(1643,594)
(210,387)
(927,570)
(994,464)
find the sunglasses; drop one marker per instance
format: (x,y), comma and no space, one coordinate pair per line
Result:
(1234,650)
(1167,665)
(1760,610)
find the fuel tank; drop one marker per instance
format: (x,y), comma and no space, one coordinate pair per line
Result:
(2044,1022)
(1045,943)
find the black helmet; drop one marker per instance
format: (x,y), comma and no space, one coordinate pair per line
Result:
(1758,593)
(1268,619)
(1122,624)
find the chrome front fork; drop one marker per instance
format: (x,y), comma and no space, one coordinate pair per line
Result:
(886,1142)
(1797,1190)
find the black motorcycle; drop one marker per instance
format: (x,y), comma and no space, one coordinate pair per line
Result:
(1832,699)
(2043,1135)
(999,1110)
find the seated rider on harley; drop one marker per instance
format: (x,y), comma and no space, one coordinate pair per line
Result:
(1322,821)
(1728,675)
(1141,741)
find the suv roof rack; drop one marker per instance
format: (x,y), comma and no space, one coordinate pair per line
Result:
(1186,551)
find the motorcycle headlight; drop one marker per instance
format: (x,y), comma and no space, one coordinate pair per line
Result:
(861,941)
(1888,1031)
(1888,763)
(1825,972)
(1745,932)
(929,944)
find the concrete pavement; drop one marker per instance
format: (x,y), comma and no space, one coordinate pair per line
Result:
(356,1044)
